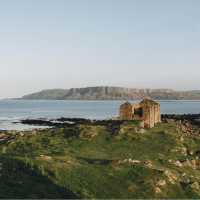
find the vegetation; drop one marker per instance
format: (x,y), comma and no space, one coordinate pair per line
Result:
(112,93)
(101,161)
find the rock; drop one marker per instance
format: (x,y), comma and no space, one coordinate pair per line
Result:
(131,188)
(136,129)
(183,174)
(161,183)
(172,178)
(179,122)
(130,161)
(178,163)
(34,132)
(187,124)
(182,139)
(149,164)
(195,185)
(3,136)
(157,190)
(135,161)
(195,164)
(187,163)
(44,157)
(170,160)
(184,151)
(189,152)
(21,134)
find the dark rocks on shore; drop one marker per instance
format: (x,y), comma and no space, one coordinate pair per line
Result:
(37,122)
(188,124)
(194,118)
(61,122)
(5,137)
(190,117)
(185,119)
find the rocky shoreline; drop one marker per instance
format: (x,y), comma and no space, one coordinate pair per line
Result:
(188,124)
(194,119)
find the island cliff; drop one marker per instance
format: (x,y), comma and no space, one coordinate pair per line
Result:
(113,93)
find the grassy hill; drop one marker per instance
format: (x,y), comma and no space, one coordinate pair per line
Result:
(101,160)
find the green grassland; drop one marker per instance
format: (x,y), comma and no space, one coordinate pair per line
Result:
(92,161)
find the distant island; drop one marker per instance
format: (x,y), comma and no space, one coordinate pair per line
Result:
(112,93)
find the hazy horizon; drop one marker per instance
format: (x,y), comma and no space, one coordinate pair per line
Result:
(67,44)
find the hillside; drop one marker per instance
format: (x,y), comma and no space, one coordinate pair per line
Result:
(112,93)
(102,159)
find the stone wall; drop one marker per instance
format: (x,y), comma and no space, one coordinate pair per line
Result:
(151,112)
(126,111)
(147,111)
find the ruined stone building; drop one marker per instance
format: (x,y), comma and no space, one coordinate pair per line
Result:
(147,111)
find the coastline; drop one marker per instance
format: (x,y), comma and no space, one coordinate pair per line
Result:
(62,122)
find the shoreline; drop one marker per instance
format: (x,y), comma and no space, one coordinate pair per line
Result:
(68,121)
(47,123)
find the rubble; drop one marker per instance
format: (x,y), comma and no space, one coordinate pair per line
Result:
(129,161)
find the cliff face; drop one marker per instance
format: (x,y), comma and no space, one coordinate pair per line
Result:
(112,93)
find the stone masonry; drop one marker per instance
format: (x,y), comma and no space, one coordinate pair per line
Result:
(126,111)
(147,111)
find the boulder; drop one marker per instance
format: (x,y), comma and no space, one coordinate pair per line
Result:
(3,135)
(172,178)
(157,190)
(178,163)
(161,183)
(195,185)
(44,157)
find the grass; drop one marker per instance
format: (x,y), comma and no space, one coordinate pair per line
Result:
(81,162)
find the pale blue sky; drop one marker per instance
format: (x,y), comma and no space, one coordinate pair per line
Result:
(77,43)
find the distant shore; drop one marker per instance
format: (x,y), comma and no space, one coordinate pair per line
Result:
(112,93)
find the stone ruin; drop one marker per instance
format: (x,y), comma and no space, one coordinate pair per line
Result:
(147,111)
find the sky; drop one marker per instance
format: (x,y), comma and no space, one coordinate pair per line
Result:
(78,43)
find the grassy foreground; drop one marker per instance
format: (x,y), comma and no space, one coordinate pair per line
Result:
(101,161)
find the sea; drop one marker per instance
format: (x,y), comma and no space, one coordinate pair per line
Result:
(12,111)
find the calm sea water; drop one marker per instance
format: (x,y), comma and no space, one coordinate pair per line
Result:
(14,110)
